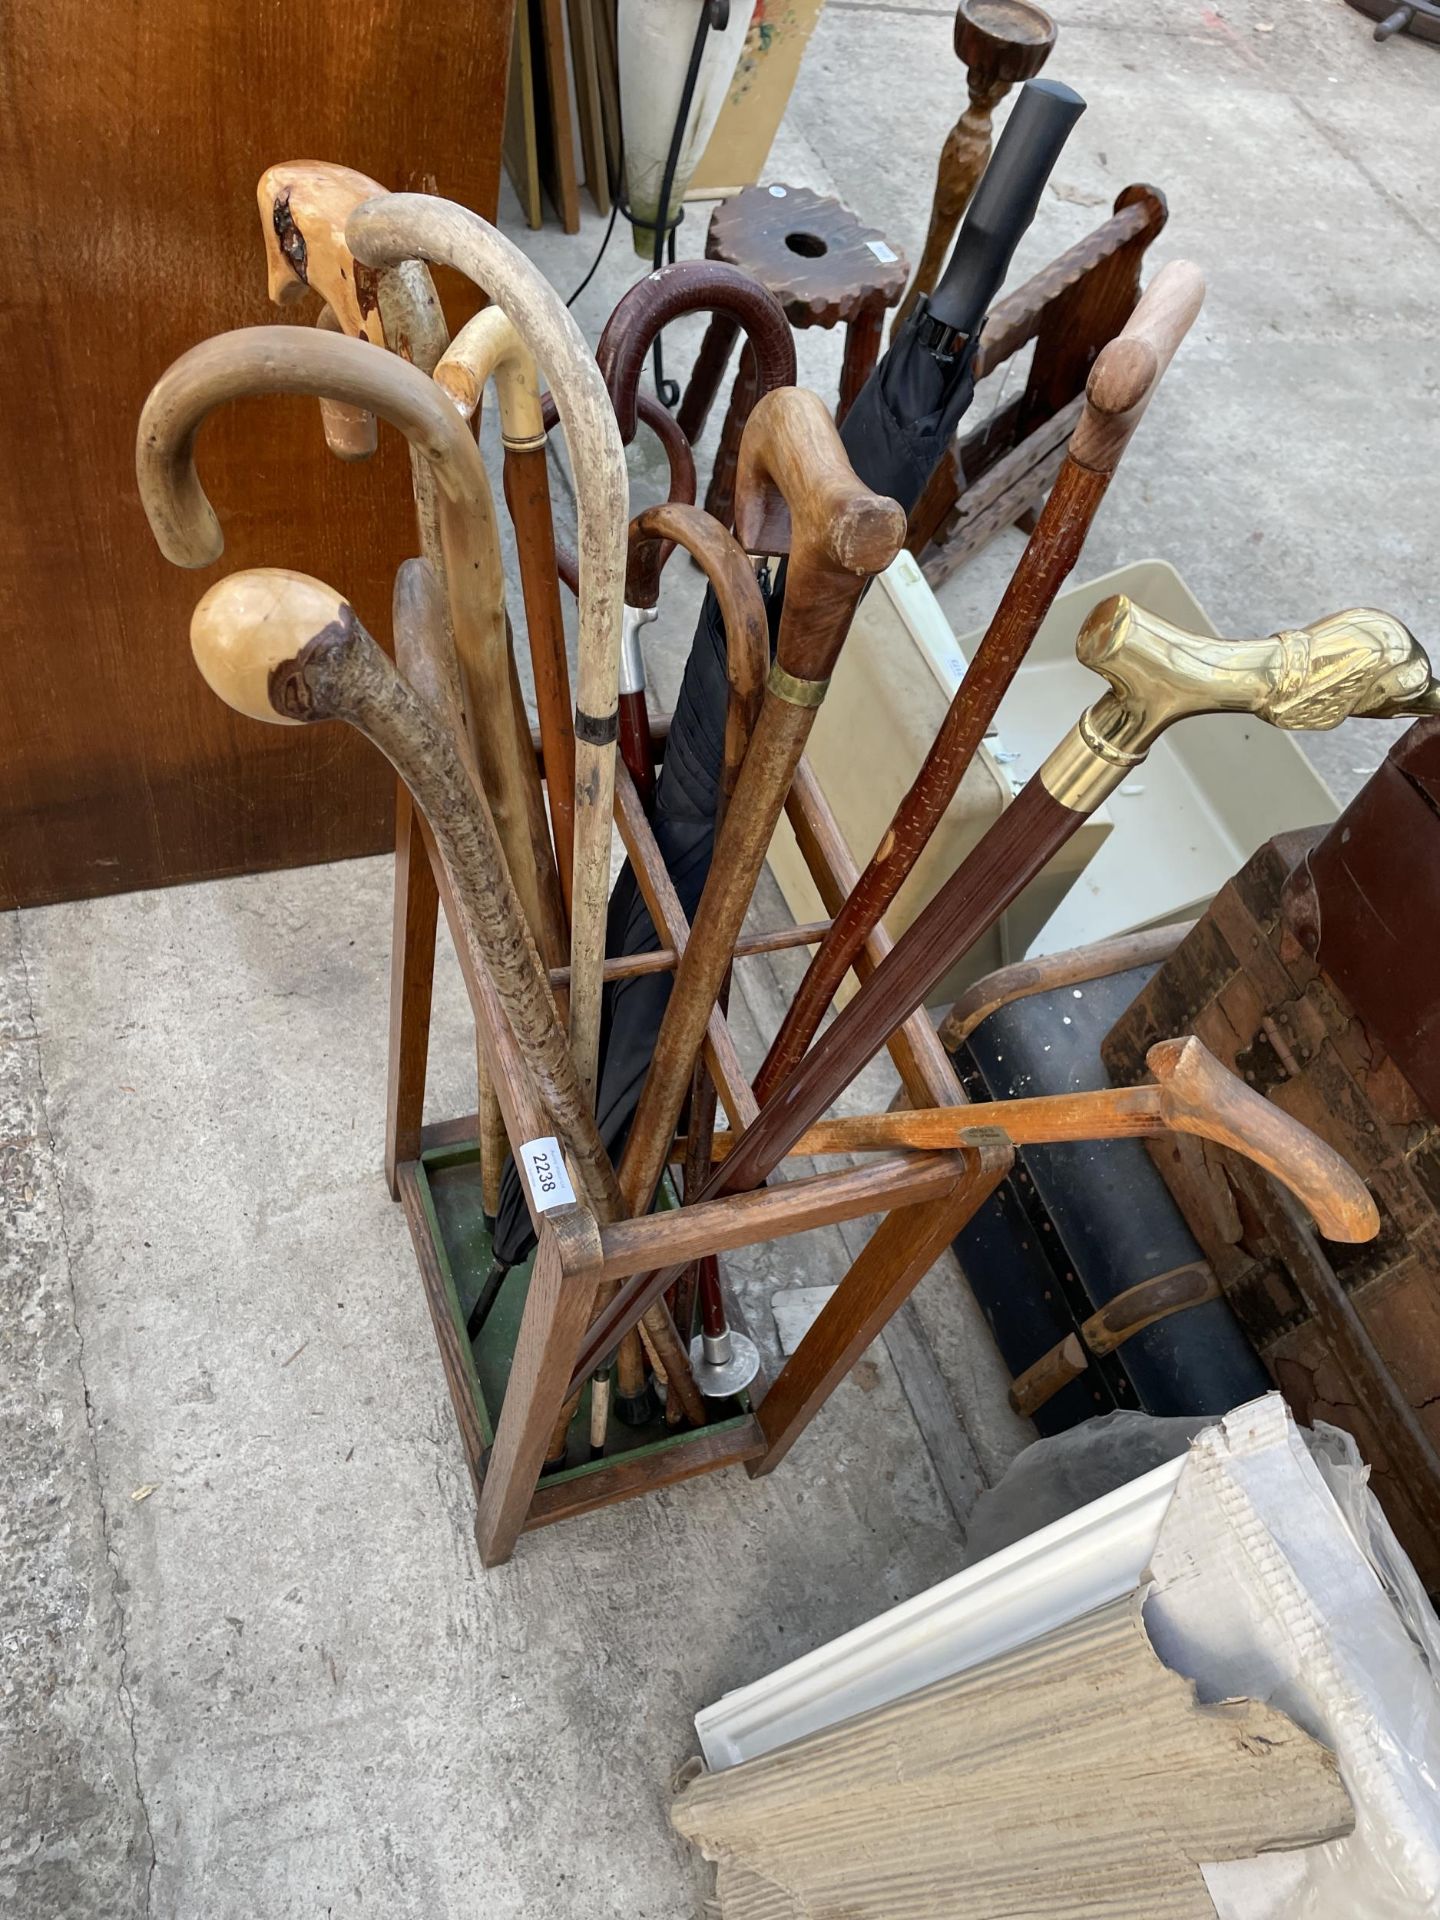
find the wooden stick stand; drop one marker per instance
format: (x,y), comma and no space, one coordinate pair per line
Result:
(925,1199)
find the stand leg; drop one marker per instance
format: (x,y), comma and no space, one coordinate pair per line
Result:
(720,494)
(412,976)
(894,1261)
(706,375)
(862,350)
(557,1312)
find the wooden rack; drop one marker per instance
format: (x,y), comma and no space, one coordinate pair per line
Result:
(925,1200)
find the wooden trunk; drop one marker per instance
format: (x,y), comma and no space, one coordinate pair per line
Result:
(131,146)
(1351,1335)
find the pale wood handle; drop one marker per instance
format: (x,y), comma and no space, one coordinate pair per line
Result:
(351,433)
(1198,1095)
(1129,368)
(489,346)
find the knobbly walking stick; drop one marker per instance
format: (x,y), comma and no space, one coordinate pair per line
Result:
(1357,664)
(1120,387)
(485,347)
(1193,1093)
(795,492)
(282,646)
(412,226)
(303,208)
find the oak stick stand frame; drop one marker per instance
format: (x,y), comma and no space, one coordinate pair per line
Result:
(924,1200)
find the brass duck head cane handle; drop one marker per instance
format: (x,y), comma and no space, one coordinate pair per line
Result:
(1362,664)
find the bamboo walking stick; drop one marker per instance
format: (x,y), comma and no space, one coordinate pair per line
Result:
(1357,664)
(1120,387)
(489,347)
(303,208)
(795,492)
(278,645)
(406,226)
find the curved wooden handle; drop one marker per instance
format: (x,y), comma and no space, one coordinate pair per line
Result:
(727,567)
(282,360)
(489,346)
(1129,368)
(691,286)
(795,490)
(350,432)
(1199,1096)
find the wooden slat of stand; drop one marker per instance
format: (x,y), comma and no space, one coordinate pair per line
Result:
(926,1198)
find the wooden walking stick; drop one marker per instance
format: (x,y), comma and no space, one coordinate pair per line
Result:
(406,226)
(485,347)
(1193,1093)
(303,208)
(282,646)
(294,360)
(1357,664)
(795,494)
(1119,389)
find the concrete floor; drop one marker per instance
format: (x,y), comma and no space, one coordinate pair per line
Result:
(248,1660)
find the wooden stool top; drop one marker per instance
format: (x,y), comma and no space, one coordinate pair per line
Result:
(823,266)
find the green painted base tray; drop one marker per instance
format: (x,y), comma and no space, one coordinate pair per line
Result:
(443,1202)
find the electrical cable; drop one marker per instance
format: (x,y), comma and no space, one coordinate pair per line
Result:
(714,15)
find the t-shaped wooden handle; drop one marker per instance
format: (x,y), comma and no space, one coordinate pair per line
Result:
(1129,367)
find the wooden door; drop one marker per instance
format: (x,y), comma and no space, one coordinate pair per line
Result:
(132,138)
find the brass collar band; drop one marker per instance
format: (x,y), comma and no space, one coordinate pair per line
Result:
(523,442)
(795,693)
(1081,774)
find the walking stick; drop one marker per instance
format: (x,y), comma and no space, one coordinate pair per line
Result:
(489,346)
(1193,1093)
(795,492)
(724,1361)
(303,208)
(1120,387)
(1357,664)
(410,226)
(636,749)
(282,646)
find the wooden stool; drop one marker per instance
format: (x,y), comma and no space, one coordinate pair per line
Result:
(825,268)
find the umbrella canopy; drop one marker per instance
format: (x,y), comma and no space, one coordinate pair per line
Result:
(895,434)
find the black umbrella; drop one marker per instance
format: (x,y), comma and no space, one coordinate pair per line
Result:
(901,424)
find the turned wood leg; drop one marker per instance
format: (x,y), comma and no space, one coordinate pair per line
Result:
(893,1262)
(862,350)
(557,1312)
(706,375)
(412,977)
(720,494)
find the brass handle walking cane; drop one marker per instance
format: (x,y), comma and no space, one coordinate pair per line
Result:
(1120,387)
(277,645)
(415,226)
(1357,664)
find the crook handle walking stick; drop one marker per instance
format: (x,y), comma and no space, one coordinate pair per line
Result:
(795,494)
(282,646)
(1360,664)
(415,226)
(1119,389)
(1192,1093)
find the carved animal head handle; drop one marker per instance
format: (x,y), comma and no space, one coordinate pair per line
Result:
(796,493)
(662,423)
(287,360)
(1129,367)
(1199,1096)
(691,286)
(1357,665)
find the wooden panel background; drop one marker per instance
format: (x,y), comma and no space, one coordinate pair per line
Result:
(132,139)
